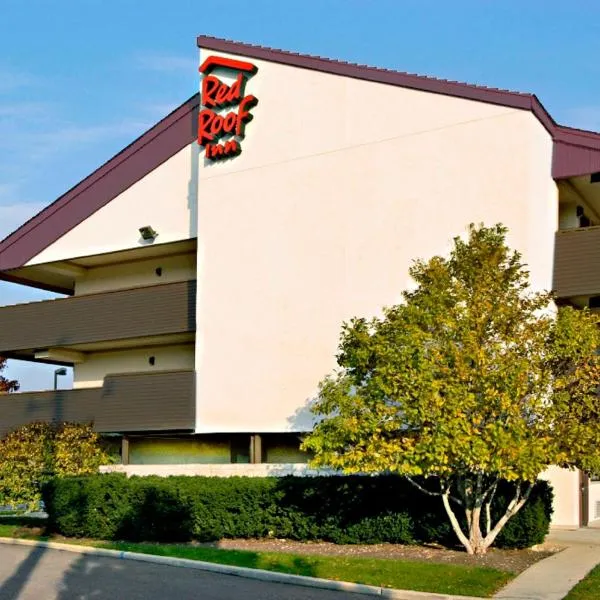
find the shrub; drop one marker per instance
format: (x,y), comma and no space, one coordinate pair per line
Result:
(348,510)
(32,454)
(532,524)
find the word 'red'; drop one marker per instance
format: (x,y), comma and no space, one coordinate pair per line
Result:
(216,94)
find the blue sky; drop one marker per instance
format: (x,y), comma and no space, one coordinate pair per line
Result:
(80,79)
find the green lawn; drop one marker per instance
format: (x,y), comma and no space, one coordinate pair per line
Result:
(420,576)
(588,588)
(7,530)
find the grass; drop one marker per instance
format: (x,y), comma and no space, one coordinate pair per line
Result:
(588,588)
(8,530)
(419,576)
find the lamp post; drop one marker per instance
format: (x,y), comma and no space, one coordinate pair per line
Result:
(57,372)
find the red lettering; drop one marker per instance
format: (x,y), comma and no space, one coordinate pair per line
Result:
(211,125)
(204,119)
(232,148)
(222,94)
(244,115)
(216,127)
(229,122)
(210,87)
(217,93)
(237,89)
(217,151)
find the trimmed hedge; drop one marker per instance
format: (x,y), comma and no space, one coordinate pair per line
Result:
(344,510)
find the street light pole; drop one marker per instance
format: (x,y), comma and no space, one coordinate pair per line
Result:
(57,372)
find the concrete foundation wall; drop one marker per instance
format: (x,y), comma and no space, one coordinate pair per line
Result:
(217,470)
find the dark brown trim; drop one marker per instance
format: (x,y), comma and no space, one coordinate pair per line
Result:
(42,286)
(584,499)
(154,147)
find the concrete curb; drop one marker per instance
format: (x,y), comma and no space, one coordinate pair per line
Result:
(260,574)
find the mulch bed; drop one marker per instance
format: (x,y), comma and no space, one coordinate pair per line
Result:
(513,561)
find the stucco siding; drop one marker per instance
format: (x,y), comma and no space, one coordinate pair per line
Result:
(137,274)
(565,484)
(165,199)
(340,185)
(97,365)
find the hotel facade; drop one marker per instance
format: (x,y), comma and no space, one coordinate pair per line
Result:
(207,267)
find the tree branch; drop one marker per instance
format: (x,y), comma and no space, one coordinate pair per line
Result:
(488,507)
(430,493)
(421,488)
(455,524)
(513,508)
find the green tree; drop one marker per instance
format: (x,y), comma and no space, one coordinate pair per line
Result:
(33,453)
(471,379)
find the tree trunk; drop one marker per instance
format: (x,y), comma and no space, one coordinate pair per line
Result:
(474,541)
(476,538)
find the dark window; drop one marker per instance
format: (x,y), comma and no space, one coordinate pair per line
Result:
(240,448)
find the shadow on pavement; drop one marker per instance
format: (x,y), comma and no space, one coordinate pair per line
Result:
(92,577)
(101,578)
(11,587)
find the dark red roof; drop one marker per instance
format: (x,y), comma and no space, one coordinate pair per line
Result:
(576,152)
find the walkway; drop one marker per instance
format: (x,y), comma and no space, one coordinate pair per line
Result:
(553,578)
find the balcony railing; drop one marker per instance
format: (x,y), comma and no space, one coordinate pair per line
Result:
(149,401)
(103,317)
(577,262)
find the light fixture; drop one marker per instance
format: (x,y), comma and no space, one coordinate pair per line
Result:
(57,372)
(148,233)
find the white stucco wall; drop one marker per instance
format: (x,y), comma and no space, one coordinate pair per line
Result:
(340,185)
(165,199)
(137,274)
(566,496)
(97,365)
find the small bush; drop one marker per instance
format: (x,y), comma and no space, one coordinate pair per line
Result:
(532,522)
(34,453)
(393,528)
(349,510)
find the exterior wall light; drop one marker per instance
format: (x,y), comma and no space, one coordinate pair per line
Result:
(148,233)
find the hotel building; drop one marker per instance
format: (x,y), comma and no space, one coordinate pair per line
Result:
(208,266)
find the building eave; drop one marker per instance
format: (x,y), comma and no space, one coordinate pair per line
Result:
(158,144)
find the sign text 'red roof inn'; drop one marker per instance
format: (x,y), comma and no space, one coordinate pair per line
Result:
(217,95)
